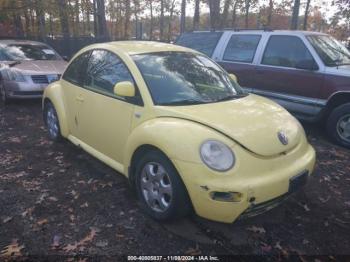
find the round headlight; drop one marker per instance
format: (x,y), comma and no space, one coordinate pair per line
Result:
(217,155)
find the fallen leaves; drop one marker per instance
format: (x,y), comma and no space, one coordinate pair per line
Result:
(80,245)
(193,251)
(42,222)
(11,251)
(6,219)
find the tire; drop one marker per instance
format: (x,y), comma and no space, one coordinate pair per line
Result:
(3,96)
(338,125)
(160,190)
(52,123)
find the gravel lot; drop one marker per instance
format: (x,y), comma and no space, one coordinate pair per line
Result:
(55,199)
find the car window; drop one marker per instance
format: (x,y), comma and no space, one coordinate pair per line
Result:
(204,42)
(286,51)
(241,48)
(75,72)
(21,52)
(104,71)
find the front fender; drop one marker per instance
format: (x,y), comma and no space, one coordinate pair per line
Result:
(179,139)
(54,94)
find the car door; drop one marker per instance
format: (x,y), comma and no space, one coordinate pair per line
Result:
(104,119)
(238,57)
(72,81)
(289,74)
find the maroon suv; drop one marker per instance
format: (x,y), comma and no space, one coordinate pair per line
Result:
(306,72)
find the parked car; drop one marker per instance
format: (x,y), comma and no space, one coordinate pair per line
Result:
(26,68)
(183,132)
(306,72)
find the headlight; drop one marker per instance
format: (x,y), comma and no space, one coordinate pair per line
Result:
(217,155)
(14,75)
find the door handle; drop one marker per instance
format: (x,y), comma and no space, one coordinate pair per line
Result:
(79,99)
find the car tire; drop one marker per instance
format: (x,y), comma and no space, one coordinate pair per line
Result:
(160,189)
(52,122)
(338,125)
(3,96)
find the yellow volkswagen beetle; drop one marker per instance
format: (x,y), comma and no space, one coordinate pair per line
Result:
(180,128)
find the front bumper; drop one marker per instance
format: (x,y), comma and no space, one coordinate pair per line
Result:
(258,180)
(24,90)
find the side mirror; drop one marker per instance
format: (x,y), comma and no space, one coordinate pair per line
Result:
(307,65)
(233,77)
(125,89)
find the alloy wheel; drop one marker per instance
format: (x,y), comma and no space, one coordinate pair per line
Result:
(156,187)
(343,127)
(52,122)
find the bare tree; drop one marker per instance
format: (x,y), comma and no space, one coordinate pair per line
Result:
(295,15)
(127,19)
(100,16)
(214,9)
(62,9)
(196,15)
(225,13)
(151,22)
(234,13)
(183,16)
(171,15)
(246,14)
(40,14)
(269,17)
(161,20)
(306,14)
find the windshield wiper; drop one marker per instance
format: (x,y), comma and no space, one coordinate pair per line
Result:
(230,97)
(13,63)
(184,102)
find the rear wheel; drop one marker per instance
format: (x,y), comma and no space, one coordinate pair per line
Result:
(338,125)
(160,189)
(52,123)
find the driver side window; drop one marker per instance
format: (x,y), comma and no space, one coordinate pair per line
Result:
(104,71)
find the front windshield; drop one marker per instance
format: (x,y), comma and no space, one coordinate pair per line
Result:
(331,51)
(20,52)
(181,78)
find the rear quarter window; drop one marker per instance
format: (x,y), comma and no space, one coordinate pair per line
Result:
(204,42)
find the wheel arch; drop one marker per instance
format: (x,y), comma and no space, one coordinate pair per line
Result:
(53,94)
(334,101)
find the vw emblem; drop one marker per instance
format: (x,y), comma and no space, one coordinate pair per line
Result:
(283,138)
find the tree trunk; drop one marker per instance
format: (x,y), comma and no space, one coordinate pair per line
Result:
(183,17)
(171,14)
(27,23)
(161,20)
(62,9)
(269,17)
(127,19)
(18,24)
(246,15)
(101,20)
(76,14)
(196,15)
(151,25)
(40,15)
(214,9)
(306,14)
(234,14)
(295,15)
(225,13)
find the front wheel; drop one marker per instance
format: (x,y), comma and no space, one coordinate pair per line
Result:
(3,95)
(160,189)
(338,125)
(52,122)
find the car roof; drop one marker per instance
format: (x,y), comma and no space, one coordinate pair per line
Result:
(262,31)
(139,47)
(18,41)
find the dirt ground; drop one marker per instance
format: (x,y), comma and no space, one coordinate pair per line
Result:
(55,199)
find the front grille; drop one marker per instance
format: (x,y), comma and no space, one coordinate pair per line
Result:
(40,79)
(27,93)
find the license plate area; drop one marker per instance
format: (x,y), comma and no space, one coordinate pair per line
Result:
(298,181)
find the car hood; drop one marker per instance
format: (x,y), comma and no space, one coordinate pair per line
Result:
(343,70)
(252,121)
(37,67)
